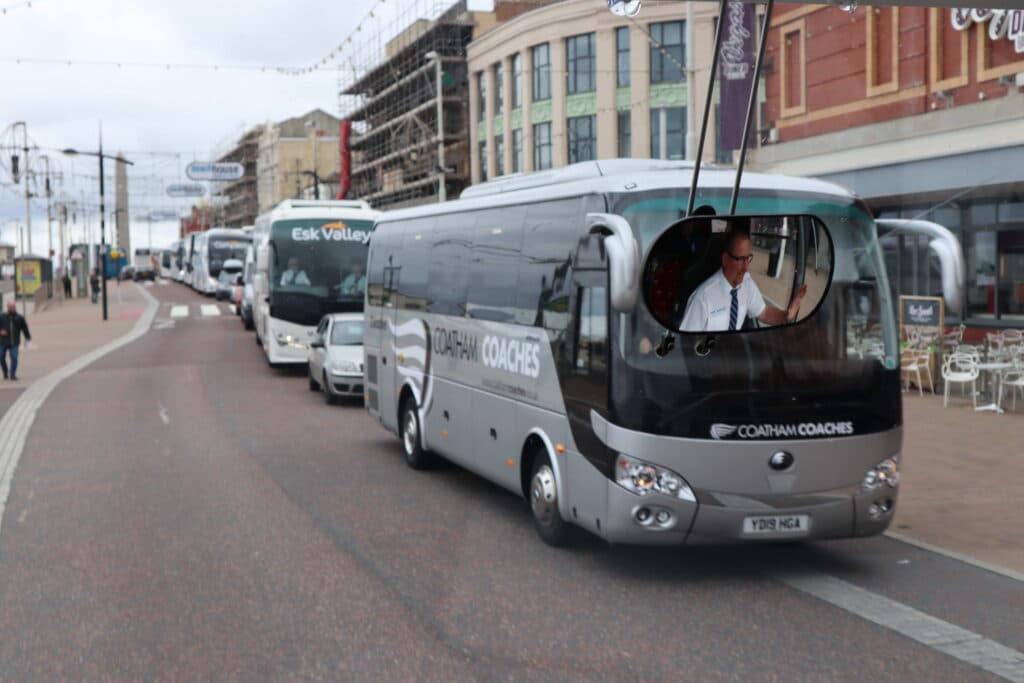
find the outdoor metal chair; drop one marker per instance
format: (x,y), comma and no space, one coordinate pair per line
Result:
(960,368)
(1014,379)
(915,361)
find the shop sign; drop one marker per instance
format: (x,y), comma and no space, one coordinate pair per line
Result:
(1002,23)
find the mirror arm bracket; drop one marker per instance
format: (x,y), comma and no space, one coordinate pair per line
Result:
(623,258)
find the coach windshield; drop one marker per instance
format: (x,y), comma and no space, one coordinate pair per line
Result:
(838,367)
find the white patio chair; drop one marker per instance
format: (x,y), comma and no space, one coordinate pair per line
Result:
(1014,379)
(1013,337)
(953,338)
(960,368)
(915,361)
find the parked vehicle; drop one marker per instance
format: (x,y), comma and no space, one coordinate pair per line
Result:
(210,250)
(144,272)
(228,277)
(310,261)
(336,356)
(245,304)
(127,273)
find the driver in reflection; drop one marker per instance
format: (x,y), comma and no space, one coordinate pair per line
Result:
(723,301)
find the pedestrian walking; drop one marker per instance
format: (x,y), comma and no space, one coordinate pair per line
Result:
(94,285)
(12,326)
(67,285)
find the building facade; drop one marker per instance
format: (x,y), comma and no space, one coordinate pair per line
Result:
(293,155)
(570,82)
(921,112)
(401,120)
(240,203)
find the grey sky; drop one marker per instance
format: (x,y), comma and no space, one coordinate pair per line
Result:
(184,111)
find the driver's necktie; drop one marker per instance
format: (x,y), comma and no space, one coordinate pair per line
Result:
(734,308)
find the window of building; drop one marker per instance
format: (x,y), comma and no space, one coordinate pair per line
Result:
(625,134)
(667,52)
(481,96)
(499,155)
(541,72)
(582,138)
(483,160)
(980,246)
(622,56)
(517,81)
(541,146)
(580,62)
(499,88)
(668,133)
(517,150)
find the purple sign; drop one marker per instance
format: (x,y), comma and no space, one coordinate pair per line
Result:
(736,72)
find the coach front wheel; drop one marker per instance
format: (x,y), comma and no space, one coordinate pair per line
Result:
(544,503)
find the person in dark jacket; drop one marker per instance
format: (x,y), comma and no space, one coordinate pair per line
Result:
(94,285)
(12,326)
(67,285)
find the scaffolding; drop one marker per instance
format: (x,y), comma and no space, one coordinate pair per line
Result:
(241,203)
(388,90)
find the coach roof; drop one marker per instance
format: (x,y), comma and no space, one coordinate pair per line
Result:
(612,176)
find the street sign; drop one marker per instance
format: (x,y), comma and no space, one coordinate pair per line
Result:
(185,190)
(207,170)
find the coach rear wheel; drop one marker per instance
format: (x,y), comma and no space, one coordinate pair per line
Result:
(544,503)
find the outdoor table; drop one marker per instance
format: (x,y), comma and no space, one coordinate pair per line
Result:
(994,370)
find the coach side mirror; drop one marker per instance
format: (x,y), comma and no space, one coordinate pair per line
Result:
(726,274)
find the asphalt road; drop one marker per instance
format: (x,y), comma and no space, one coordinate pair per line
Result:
(182,511)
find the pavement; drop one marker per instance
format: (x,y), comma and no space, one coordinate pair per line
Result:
(962,470)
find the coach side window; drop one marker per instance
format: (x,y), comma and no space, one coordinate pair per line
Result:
(449,276)
(550,236)
(494,271)
(591,345)
(414,261)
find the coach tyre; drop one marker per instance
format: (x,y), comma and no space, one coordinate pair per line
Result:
(415,456)
(544,503)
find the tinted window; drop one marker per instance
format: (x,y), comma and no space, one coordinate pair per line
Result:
(413,264)
(380,249)
(494,272)
(449,256)
(552,231)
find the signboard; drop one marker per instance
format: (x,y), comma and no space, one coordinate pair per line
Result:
(208,170)
(27,277)
(922,316)
(185,190)
(1002,23)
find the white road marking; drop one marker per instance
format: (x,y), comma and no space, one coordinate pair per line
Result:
(935,633)
(164,415)
(179,311)
(163,324)
(231,309)
(16,422)
(209,310)
(162,282)
(148,284)
(1002,571)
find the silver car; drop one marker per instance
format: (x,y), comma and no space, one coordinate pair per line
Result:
(336,356)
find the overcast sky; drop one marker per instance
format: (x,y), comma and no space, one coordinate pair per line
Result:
(144,110)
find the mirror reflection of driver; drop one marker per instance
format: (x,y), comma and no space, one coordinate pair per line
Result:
(723,301)
(294,276)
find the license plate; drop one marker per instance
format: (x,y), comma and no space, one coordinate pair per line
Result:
(782,524)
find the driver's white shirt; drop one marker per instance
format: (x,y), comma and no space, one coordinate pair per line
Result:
(292,277)
(708,307)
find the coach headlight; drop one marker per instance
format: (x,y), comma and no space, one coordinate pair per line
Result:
(642,478)
(212,281)
(884,473)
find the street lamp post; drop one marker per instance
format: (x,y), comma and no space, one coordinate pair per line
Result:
(103,234)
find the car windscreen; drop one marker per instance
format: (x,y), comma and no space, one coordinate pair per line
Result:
(347,333)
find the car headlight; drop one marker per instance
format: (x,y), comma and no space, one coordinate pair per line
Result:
(643,478)
(884,473)
(344,367)
(213,281)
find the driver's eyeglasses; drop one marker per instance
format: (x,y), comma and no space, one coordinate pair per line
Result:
(741,259)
